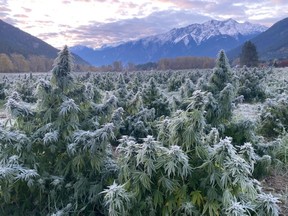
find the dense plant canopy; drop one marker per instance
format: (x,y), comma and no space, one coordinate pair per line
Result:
(153,143)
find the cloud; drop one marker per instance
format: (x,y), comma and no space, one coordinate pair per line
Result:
(4,8)
(186,4)
(45,22)
(22,16)
(4,11)
(11,21)
(47,36)
(279,2)
(98,22)
(259,11)
(66,2)
(27,10)
(95,1)
(96,34)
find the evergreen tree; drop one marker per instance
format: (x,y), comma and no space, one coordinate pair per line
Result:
(249,55)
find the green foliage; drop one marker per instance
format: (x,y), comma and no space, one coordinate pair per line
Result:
(222,74)
(250,85)
(4,85)
(241,131)
(61,72)
(25,87)
(174,83)
(56,155)
(274,117)
(153,98)
(154,174)
(166,176)
(188,87)
(221,84)
(140,124)
(117,200)
(249,55)
(267,204)
(186,128)
(225,100)
(219,110)
(281,152)
(122,93)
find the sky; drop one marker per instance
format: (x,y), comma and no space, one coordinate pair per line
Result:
(95,23)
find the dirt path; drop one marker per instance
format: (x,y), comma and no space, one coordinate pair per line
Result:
(277,184)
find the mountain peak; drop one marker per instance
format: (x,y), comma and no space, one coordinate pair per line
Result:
(204,39)
(217,22)
(212,28)
(230,20)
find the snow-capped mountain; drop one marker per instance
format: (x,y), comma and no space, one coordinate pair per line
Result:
(202,32)
(194,40)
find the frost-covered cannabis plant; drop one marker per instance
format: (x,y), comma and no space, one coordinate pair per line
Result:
(222,86)
(55,158)
(187,172)
(222,74)
(170,155)
(251,84)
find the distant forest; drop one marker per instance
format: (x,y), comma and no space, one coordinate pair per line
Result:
(18,63)
(33,63)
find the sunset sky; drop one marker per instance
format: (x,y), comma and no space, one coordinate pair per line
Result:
(97,22)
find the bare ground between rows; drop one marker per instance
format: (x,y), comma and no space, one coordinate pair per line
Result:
(277,184)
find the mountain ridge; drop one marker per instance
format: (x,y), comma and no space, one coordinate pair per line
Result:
(271,44)
(204,39)
(14,40)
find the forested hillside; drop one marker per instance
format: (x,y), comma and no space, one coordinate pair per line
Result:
(22,52)
(143,143)
(271,44)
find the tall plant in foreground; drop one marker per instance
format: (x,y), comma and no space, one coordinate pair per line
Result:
(61,162)
(152,179)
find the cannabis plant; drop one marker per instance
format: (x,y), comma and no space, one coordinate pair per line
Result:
(251,87)
(222,74)
(153,98)
(273,118)
(56,156)
(150,177)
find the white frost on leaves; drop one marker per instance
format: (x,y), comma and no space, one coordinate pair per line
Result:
(27,174)
(51,137)
(11,169)
(91,140)
(248,111)
(68,106)
(63,212)
(177,162)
